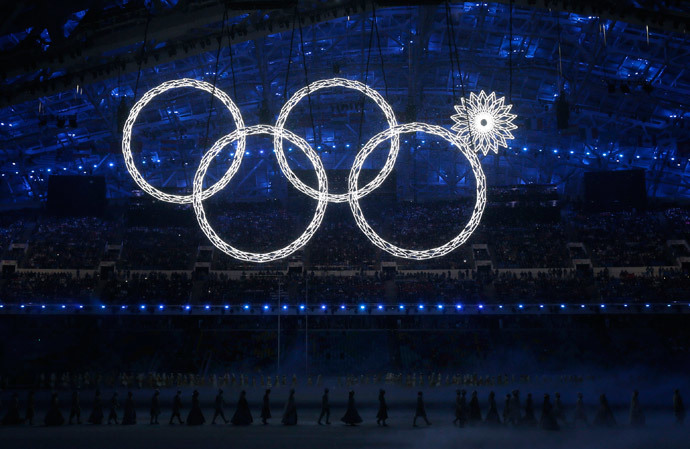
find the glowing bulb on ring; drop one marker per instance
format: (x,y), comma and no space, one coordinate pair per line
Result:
(484,121)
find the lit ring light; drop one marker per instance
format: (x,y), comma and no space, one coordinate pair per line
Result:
(311,228)
(134,113)
(484,122)
(478,206)
(349,84)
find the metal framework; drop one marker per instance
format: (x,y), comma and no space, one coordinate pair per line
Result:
(626,87)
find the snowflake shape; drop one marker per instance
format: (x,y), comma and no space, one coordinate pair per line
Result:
(489,120)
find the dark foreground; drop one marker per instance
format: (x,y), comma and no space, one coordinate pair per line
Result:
(307,436)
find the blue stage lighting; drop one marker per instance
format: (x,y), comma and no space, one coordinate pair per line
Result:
(102,307)
(142,307)
(421,306)
(161,307)
(301,306)
(266,307)
(520,306)
(402,307)
(440,307)
(246,307)
(342,307)
(362,306)
(227,307)
(380,307)
(284,307)
(187,307)
(481,306)
(207,307)
(323,306)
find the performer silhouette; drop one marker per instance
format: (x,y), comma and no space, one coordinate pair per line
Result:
(506,410)
(529,419)
(30,409)
(155,407)
(580,414)
(195,416)
(325,408)
(460,408)
(96,416)
(54,416)
(492,418)
(382,414)
(420,411)
(266,407)
(220,402)
(290,412)
(351,416)
(637,418)
(12,417)
(177,408)
(604,416)
(114,405)
(475,414)
(515,409)
(678,407)
(129,417)
(547,421)
(75,410)
(242,416)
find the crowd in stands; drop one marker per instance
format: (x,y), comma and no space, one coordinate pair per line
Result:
(464,287)
(614,239)
(67,243)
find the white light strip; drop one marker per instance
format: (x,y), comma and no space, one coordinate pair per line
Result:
(489,121)
(318,214)
(476,213)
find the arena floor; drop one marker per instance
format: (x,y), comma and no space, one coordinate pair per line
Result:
(308,436)
(659,433)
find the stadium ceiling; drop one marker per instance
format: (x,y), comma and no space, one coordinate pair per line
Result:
(70,74)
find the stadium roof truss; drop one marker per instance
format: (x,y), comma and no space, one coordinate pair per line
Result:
(69,76)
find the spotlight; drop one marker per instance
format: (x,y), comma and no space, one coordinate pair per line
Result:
(227,307)
(361,307)
(342,307)
(301,306)
(421,306)
(323,306)
(266,307)
(380,307)
(246,307)
(161,307)
(284,307)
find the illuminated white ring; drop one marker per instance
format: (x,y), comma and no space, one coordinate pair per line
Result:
(349,84)
(134,113)
(311,228)
(478,206)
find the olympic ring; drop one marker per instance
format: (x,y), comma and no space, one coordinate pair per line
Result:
(476,213)
(482,109)
(134,113)
(348,84)
(311,228)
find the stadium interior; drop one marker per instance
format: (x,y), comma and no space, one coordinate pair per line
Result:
(572,271)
